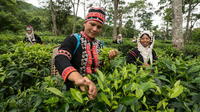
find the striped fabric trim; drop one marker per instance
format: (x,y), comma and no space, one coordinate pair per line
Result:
(67,71)
(94,20)
(65,53)
(133,53)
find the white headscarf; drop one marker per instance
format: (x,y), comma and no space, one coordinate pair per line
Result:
(31,36)
(146,52)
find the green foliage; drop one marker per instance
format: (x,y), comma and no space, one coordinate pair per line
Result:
(79,25)
(196,34)
(106,31)
(130,30)
(15,15)
(36,23)
(145,21)
(9,22)
(24,65)
(168,15)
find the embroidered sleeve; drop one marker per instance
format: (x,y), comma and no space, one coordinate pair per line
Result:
(131,57)
(65,53)
(64,56)
(67,71)
(133,53)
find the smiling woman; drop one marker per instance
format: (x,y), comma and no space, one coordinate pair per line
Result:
(144,53)
(74,63)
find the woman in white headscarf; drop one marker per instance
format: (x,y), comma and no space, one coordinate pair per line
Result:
(144,53)
(31,37)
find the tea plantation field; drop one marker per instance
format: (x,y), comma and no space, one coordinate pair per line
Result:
(171,85)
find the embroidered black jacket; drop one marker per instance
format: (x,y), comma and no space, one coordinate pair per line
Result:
(84,60)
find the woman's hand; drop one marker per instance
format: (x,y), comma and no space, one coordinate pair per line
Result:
(113,53)
(86,84)
(146,65)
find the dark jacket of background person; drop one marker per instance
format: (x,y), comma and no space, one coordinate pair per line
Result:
(136,58)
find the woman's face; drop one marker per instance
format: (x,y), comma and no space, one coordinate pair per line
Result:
(145,40)
(92,28)
(29,31)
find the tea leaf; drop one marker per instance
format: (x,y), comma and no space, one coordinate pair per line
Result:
(196,80)
(66,107)
(176,90)
(55,91)
(162,103)
(139,93)
(194,69)
(101,75)
(76,94)
(100,84)
(105,99)
(128,100)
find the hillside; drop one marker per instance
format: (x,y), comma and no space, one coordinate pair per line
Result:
(26,6)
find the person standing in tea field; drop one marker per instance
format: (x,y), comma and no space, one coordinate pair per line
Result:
(144,53)
(119,38)
(31,37)
(78,55)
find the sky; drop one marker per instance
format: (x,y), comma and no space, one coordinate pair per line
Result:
(34,2)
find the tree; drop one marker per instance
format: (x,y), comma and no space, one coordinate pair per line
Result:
(194,19)
(188,6)
(165,10)
(60,10)
(119,13)
(130,30)
(177,33)
(36,23)
(9,19)
(142,14)
(75,11)
(53,18)
(191,6)
(137,7)
(116,4)
(168,19)
(145,20)
(196,34)
(123,14)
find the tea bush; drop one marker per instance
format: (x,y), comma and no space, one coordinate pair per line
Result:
(24,65)
(171,85)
